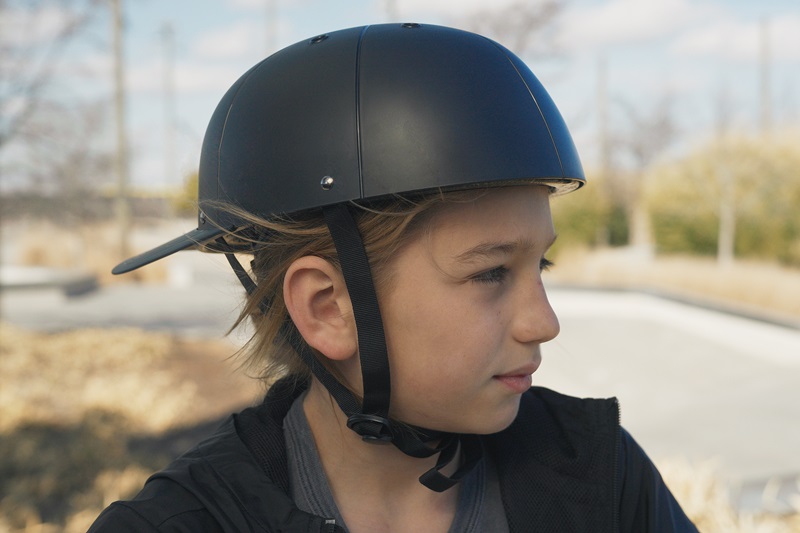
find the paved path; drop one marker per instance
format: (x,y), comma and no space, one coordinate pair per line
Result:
(201,298)
(692,382)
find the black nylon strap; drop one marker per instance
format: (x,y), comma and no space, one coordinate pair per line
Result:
(244,278)
(346,400)
(471,450)
(358,278)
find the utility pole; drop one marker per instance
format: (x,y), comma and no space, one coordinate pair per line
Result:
(390,7)
(726,230)
(168,85)
(602,117)
(272,25)
(765,88)
(603,146)
(122,205)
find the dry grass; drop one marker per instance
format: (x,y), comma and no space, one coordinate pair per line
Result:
(706,500)
(90,248)
(58,378)
(86,416)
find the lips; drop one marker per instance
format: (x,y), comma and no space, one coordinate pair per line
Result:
(518,380)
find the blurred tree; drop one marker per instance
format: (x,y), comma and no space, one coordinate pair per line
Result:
(51,134)
(646,137)
(66,162)
(527,28)
(755,180)
(185,201)
(586,217)
(34,37)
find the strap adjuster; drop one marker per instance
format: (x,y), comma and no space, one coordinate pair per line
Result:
(373,429)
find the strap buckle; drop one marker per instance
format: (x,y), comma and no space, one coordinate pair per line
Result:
(373,429)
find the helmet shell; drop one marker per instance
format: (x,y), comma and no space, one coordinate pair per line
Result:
(374,111)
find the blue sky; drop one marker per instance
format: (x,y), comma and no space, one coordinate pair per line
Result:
(689,50)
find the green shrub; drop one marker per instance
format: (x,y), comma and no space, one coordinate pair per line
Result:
(583,218)
(758,179)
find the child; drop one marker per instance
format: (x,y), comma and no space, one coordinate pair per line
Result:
(392,184)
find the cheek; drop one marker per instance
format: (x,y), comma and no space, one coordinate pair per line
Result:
(438,339)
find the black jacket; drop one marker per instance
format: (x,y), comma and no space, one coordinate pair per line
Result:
(564,465)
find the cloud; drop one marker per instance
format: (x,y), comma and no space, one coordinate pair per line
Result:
(457,8)
(30,26)
(403,8)
(263,5)
(741,40)
(629,21)
(248,4)
(189,77)
(232,41)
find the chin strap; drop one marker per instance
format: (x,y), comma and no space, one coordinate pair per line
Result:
(370,417)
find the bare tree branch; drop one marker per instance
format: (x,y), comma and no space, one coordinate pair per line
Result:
(526,27)
(28,60)
(647,134)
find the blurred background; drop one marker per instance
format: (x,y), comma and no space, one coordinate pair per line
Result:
(677,275)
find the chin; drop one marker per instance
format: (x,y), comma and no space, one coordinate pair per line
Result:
(495,422)
(500,425)
(475,422)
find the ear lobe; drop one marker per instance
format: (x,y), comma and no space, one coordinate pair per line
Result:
(318,302)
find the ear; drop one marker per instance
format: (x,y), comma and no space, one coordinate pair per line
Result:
(317,300)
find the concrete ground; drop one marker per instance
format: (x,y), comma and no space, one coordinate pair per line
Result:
(692,382)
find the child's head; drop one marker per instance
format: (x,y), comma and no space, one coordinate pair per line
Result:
(375,139)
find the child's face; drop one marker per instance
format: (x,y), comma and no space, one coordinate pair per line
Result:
(466,311)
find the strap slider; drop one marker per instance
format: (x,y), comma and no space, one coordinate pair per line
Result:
(373,429)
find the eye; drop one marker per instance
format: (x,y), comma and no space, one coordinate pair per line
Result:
(545,264)
(494,275)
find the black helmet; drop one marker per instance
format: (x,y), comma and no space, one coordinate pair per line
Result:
(360,114)
(371,111)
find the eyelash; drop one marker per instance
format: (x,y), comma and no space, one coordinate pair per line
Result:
(498,274)
(495,275)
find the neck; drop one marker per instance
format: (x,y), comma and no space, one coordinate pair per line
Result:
(358,470)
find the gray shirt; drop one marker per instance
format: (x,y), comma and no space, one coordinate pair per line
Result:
(479,508)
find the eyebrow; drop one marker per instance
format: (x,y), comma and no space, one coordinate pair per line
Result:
(492,249)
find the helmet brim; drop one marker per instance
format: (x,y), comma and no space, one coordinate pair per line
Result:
(193,238)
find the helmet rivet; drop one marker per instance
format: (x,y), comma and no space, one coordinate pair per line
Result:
(409,25)
(202,218)
(326,183)
(319,38)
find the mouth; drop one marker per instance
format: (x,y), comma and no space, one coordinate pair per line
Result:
(518,380)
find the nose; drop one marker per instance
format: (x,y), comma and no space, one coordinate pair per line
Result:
(535,320)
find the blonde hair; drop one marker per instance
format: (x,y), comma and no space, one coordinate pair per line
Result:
(277,242)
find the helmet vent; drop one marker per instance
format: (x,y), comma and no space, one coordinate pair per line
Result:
(410,25)
(319,38)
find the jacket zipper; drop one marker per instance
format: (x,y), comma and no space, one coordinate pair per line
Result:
(617,466)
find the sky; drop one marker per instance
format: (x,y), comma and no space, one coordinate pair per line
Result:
(691,53)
